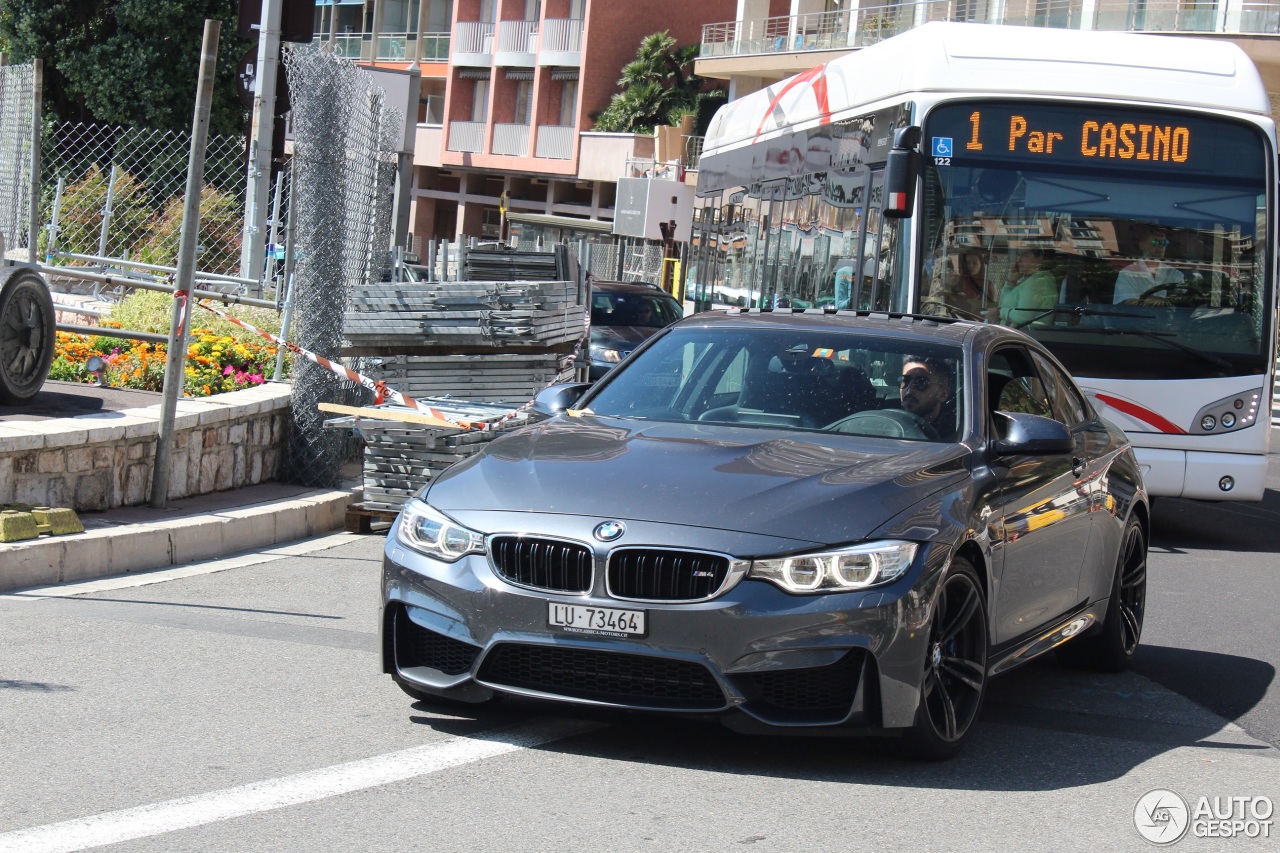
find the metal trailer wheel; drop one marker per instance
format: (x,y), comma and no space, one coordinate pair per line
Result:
(27,335)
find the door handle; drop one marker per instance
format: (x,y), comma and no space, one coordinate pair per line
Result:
(1077,465)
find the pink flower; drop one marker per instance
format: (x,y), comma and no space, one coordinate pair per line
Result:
(228,371)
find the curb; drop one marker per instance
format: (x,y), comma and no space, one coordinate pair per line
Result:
(116,549)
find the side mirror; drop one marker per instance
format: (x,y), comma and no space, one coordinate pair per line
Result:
(1032,435)
(556,398)
(901,174)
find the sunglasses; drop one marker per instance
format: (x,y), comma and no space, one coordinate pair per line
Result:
(918,383)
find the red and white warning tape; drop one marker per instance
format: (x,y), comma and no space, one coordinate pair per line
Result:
(382,392)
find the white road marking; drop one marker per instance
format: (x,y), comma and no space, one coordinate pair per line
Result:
(207,567)
(186,812)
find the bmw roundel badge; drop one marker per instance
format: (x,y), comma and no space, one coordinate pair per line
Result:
(608,531)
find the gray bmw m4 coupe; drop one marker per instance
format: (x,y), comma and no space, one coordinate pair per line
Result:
(834,521)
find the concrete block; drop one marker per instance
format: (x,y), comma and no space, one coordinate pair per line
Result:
(18,439)
(16,526)
(215,415)
(103,457)
(145,428)
(6,479)
(85,557)
(31,563)
(105,426)
(238,433)
(146,547)
(65,433)
(292,521)
(250,528)
(193,539)
(60,521)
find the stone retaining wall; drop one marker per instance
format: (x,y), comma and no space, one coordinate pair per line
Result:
(104,460)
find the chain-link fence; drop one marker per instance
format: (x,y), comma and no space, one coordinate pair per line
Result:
(17,117)
(117,192)
(344,167)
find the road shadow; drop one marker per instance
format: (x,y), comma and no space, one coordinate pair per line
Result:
(1043,728)
(1180,525)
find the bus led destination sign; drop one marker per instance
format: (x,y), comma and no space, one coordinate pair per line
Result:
(1126,140)
(969,133)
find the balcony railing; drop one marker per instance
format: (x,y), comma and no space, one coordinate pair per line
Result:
(860,27)
(473,37)
(693,151)
(428,47)
(346,45)
(467,136)
(555,141)
(517,37)
(562,35)
(511,139)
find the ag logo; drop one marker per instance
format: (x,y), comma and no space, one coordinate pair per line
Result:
(608,531)
(1161,816)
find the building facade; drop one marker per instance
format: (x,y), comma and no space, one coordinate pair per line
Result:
(508,89)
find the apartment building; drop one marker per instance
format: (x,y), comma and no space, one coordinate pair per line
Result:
(769,40)
(508,88)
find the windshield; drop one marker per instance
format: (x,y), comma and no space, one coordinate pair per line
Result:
(617,308)
(1131,242)
(828,380)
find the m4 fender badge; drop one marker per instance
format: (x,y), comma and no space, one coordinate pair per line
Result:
(608,531)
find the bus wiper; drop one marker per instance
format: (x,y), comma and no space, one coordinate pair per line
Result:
(1162,337)
(1081,311)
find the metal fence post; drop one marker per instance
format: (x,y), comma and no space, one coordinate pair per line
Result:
(175,365)
(36,125)
(106,212)
(52,245)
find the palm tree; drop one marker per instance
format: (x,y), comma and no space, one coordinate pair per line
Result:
(658,87)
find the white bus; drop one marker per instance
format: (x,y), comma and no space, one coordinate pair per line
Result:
(1112,194)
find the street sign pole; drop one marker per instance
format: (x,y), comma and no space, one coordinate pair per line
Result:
(257,187)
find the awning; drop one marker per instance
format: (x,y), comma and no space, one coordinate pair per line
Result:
(339,2)
(564,74)
(519,75)
(473,73)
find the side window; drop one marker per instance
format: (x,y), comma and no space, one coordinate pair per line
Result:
(1068,407)
(1013,385)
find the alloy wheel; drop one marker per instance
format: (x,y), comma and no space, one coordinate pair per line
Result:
(955,674)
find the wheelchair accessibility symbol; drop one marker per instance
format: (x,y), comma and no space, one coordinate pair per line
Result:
(942,146)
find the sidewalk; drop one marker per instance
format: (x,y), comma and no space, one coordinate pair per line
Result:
(140,538)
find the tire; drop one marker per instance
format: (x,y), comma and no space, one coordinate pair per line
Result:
(954,680)
(27,336)
(1112,649)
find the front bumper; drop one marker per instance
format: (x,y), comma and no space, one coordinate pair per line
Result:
(756,655)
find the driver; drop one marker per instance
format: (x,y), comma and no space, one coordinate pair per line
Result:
(926,391)
(1150,270)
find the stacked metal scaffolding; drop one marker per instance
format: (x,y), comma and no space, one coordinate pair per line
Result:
(344,168)
(17,114)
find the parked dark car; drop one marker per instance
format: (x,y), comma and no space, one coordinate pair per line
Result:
(787,519)
(624,315)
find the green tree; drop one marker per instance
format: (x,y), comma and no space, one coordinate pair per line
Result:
(131,62)
(658,86)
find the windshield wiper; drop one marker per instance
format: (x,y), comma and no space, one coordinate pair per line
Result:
(1081,311)
(1162,337)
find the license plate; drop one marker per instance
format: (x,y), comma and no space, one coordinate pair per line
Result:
(609,621)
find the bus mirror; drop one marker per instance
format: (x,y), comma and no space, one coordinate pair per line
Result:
(901,171)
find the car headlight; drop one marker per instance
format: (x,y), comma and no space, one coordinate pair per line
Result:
(433,533)
(605,354)
(841,570)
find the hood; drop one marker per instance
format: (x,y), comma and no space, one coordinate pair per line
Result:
(822,488)
(621,337)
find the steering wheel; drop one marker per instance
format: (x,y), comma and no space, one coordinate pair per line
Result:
(938,308)
(1175,291)
(890,423)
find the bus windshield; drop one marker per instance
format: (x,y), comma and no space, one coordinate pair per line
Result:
(1132,242)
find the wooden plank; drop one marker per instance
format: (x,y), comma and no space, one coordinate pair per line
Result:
(403,415)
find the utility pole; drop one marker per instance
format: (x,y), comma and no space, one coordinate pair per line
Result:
(257,187)
(183,300)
